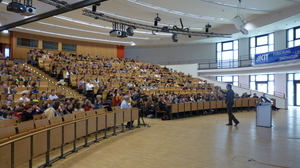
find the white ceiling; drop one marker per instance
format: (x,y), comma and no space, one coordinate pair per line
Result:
(261,17)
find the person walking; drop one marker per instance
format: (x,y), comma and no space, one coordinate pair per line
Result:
(229,103)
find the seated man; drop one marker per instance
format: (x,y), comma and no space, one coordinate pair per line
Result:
(53,95)
(9,98)
(44,96)
(264,98)
(126,105)
(24,97)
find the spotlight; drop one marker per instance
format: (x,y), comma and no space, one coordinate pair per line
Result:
(189,36)
(207,27)
(94,8)
(175,38)
(156,20)
(129,31)
(165,29)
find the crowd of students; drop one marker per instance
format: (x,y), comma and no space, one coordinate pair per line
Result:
(143,77)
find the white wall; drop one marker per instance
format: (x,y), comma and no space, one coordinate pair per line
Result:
(280,40)
(281,83)
(186,68)
(244,80)
(172,53)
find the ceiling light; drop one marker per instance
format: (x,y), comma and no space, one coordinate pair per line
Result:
(104,27)
(71,36)
(176,12)
(5,31)
(90,31)
(138,20)
(237,6)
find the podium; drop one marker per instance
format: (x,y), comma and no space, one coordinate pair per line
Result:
(264,114)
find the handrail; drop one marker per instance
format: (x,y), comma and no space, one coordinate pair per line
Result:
(204,61)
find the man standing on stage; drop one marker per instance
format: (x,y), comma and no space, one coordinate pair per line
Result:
(229,103)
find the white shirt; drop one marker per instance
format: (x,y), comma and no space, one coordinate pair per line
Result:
(89,86)
(24,99)
(52,97)
(125,105)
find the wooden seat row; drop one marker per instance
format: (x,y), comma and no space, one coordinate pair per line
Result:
(212,105)
(41,136)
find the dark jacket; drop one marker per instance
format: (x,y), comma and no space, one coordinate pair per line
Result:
(229,97)
(27,116)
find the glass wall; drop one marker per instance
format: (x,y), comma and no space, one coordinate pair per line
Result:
(227,54)
(263,83)
(293,37)
(261,44)
(234,80)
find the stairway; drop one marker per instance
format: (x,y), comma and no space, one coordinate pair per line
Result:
(53,82)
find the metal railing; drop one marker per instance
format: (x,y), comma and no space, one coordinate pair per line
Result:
(242,61)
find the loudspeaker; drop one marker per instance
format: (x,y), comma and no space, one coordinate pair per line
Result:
(174,38)
(239,24)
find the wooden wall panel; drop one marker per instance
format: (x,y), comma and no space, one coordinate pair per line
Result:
(85,48)
(22,151)
(5,156)
(39,143)
(4,38)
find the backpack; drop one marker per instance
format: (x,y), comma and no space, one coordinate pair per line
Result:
(165,117)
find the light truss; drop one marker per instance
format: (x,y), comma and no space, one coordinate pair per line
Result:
(56,3)
(101,16)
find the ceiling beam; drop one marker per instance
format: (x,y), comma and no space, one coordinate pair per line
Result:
(45,15)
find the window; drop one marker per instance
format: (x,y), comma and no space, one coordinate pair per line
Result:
(261,44)
(227,54)
(50,45)
(262,83)
(293,37)
(24,42)
(69,47)
(234,80)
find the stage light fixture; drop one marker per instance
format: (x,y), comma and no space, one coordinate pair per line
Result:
(207,27)
(156,20)
(130,31)
(94,8)
(175,38)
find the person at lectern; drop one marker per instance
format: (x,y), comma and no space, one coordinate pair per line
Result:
(229,103)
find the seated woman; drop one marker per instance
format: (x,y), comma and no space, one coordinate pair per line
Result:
(49,113)
(88,105)
(9,78)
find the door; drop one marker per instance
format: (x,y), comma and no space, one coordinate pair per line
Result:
(262,87)
(297,93)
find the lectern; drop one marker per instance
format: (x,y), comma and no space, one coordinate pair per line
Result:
(264,114)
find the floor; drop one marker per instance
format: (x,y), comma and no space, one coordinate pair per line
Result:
(198,142)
